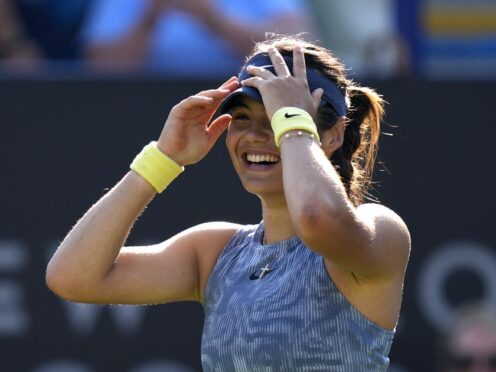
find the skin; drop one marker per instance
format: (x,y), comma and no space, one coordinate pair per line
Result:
(25,54)
(365,248)
(131,49)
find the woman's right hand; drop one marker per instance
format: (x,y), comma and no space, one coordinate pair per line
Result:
(187,138)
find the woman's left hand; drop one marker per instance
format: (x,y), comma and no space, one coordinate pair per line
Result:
(284,89)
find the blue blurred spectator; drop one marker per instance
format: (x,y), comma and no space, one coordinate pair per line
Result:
(34,30)
(194,38)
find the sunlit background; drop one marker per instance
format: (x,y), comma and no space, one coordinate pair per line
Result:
(84,84)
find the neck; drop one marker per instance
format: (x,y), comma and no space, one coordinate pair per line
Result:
(277,222)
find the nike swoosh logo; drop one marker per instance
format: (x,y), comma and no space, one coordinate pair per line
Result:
(254,276)
(287,116)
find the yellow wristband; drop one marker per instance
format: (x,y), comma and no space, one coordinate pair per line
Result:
(292,118)
(156,167)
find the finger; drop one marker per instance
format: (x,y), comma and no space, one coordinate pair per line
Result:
(280,66)
(260,72)
(196,101)
(299,66)
(214,93)
(232,86)
(218,126)
(253,82)
(229,81)
(317,96)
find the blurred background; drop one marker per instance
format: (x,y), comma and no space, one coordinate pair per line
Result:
(84,84)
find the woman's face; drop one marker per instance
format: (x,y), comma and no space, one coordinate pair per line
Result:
(250,142)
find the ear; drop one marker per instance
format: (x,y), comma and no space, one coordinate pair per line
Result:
(332,139)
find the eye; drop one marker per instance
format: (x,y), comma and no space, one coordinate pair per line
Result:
(240,117)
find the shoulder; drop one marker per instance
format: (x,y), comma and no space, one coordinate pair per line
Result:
(206,240)
(211,235)
(209,239)
(390,234)
(379,213)
(217,227)
(381,217)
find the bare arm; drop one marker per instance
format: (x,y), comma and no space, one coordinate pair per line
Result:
(370,241)
(241,35)
(90,265)
(15,46)
(132,47)
(86,257)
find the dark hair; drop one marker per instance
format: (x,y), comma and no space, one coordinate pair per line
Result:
(355,160)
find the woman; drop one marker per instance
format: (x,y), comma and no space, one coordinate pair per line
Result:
(317,285)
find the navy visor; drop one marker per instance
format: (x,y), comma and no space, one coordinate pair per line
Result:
(332,94)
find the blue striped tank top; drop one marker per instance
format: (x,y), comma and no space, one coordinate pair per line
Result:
(293,318)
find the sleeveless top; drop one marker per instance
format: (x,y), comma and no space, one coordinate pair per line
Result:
(293,318)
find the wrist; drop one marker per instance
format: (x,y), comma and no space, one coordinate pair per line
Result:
(170,154)
(158,169)
(298,134)
(287,120)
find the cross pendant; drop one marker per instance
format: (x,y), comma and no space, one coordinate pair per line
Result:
(265,270)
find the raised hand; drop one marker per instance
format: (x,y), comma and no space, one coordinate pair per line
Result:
(187,136)
(283,89)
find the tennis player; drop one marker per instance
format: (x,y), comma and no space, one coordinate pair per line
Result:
(315,286)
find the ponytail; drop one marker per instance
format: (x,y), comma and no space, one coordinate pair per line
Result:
(356,158)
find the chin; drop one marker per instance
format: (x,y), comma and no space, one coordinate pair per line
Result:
(262,189)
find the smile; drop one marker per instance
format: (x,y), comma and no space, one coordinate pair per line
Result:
(260,161)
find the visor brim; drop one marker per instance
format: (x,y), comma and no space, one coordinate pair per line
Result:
(229,101)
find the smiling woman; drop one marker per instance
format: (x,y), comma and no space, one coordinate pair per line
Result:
(317,284)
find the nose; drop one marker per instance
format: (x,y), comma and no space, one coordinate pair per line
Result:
(259,131)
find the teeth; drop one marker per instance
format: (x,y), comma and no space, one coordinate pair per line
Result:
(252,158)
